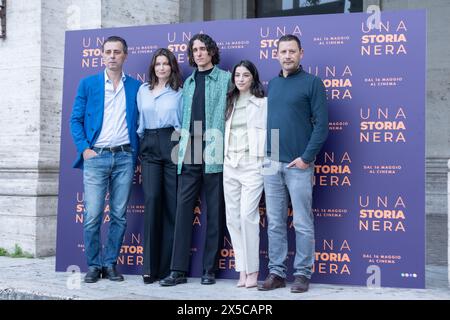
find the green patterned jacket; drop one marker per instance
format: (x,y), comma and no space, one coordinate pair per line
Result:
(216,87)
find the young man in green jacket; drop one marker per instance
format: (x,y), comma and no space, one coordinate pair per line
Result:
(204,100)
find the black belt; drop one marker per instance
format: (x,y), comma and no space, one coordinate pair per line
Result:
(156,131)
(124,147)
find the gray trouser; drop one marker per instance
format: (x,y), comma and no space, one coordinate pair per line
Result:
(298,183)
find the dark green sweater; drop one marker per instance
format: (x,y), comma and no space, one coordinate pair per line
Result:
(297,107)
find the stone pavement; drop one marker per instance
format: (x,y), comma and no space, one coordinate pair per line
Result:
(22,278)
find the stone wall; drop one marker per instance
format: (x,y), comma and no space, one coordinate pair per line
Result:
(143,12)
(20,92)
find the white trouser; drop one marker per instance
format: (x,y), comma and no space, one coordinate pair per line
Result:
(243,186)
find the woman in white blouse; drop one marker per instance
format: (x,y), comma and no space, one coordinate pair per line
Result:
(245,135)
(159,102)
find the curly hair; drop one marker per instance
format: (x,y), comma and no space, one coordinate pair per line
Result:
(211,46)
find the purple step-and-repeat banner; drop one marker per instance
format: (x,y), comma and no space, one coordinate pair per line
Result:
(369,178)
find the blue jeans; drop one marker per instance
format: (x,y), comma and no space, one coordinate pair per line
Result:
(298,183)
(113,170)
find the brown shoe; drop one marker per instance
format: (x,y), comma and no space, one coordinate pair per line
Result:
(272,282)
(301,284)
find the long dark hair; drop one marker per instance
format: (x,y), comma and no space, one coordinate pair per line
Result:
(174,81)
(211,47)
(256,87)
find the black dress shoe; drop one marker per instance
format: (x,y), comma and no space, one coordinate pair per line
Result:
(111,274)
(92,275)
(208,278)
(174,278)
(148,278)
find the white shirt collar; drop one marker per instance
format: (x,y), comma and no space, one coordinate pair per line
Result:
(107,80)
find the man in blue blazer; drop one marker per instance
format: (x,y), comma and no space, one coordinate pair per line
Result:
(103,125)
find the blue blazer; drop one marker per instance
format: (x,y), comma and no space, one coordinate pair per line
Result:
(87,114)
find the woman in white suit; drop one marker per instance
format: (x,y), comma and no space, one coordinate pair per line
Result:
(245,134)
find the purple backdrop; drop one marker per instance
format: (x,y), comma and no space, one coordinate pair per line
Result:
(369,181)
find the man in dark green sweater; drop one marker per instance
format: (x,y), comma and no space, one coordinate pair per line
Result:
(297,127)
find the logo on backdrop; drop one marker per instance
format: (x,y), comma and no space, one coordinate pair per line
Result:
(333,257)
(382,125)
(268,39)
(333,170)
(91,54)
(336,79)
(382,214)
(226,257)
(390,39)
(178,43)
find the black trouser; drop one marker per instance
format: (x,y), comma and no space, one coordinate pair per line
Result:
(159,183)
(190,183)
